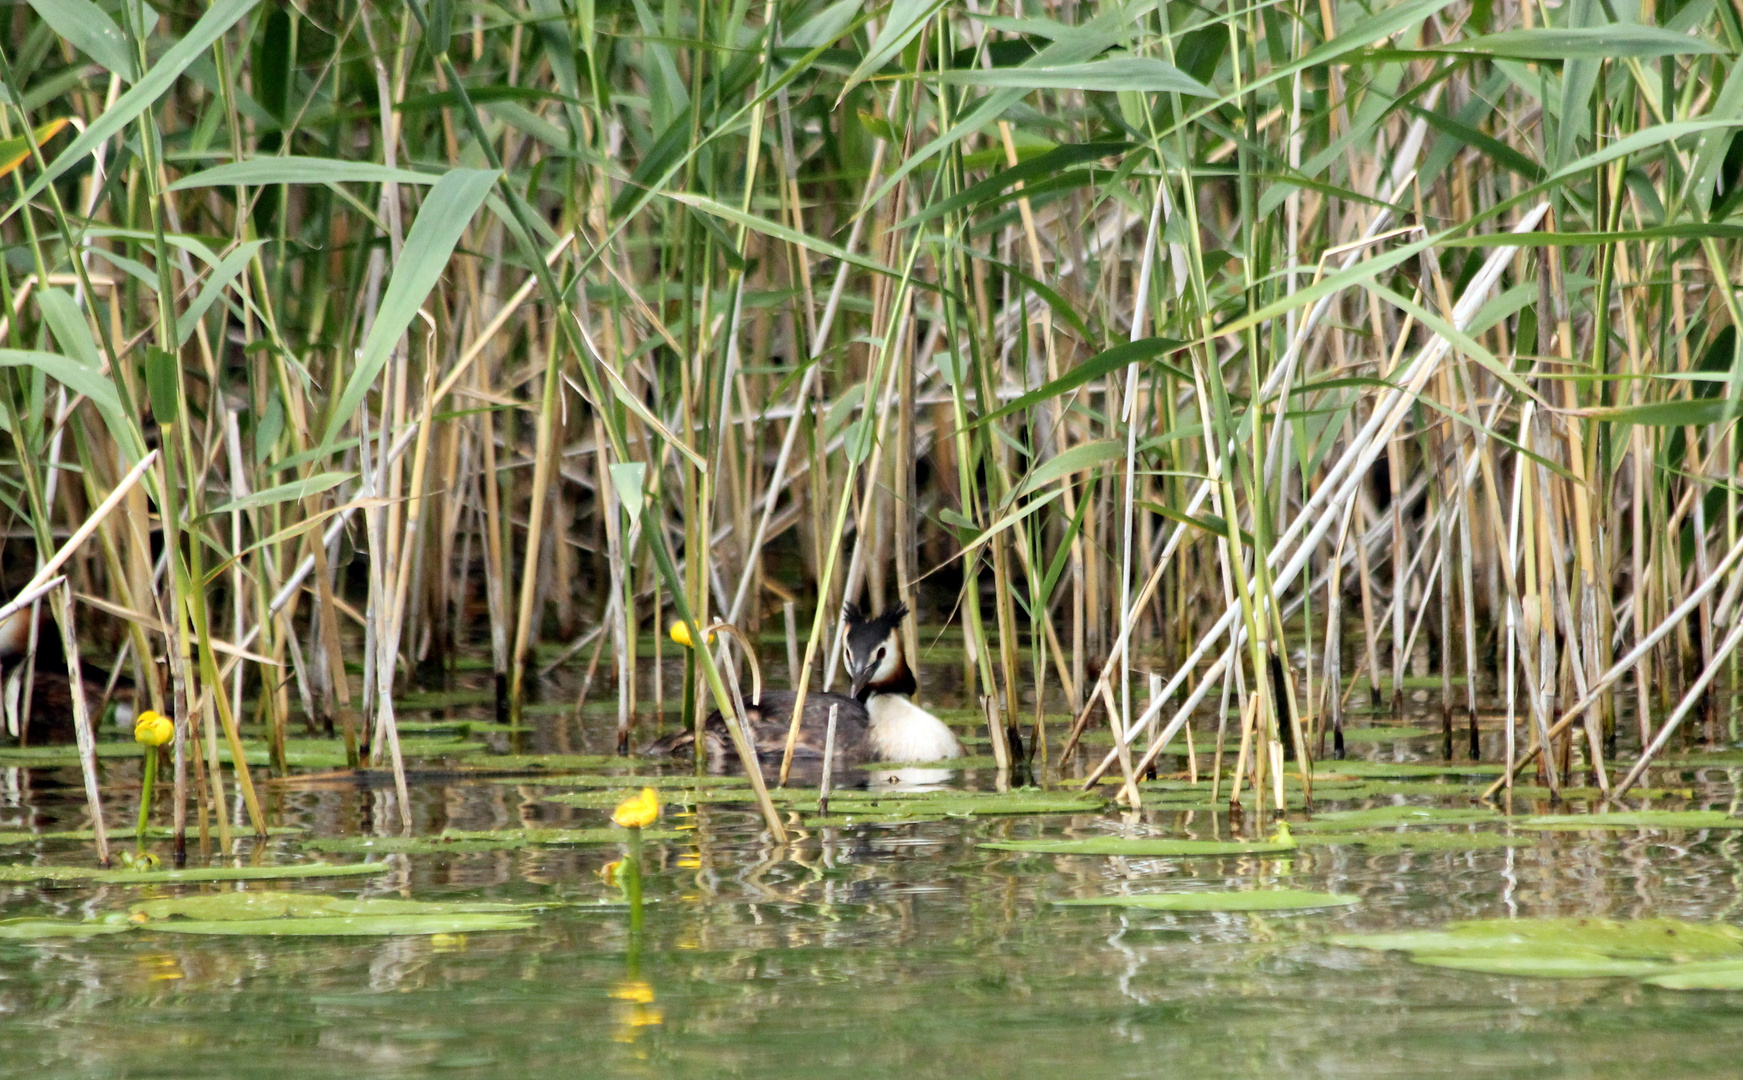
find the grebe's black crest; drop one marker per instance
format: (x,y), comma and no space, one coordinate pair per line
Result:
(865,635)
(874,653)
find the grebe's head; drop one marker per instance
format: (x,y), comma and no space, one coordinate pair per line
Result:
(874,651)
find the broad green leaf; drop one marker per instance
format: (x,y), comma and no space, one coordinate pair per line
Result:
(1414,839)
(1075,460)
(626,477)
(1577,937)
(904,22)
(1255,900)
(1714,975)
(1541,963)
(446,212)
(215,873)
(77,378)
(295,491)
(781,232)
(1008,520)
(1384,734)
(1580,43)
(1090,39)
(1097,366)
(71,331)
(1398,815)
(216,282)
(824,27)
(257,904)
(1141,73)
(301,170)
(90,30)
(1698,412)
(38,929)
(190,46)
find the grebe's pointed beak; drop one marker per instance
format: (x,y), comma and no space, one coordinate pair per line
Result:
(861,679)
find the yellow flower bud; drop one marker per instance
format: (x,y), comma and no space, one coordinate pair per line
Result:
(638,810)
(680,632)
(153,728)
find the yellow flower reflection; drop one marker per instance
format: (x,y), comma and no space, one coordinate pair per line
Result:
(638,810)
(637,1012)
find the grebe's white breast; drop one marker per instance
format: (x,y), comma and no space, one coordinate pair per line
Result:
(902,731)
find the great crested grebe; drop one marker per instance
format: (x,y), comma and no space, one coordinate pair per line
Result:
(879,722)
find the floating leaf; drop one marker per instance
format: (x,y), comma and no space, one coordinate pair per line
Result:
(126,832)
(1259,900)
(81,874)
(35,929)
(1408,768)
(1397,815)
(255,905)
(1383,734)
(1418,840)
(55,756)
(1638,819)
(1540,963)
(349,925)
(1565,948)
(1117,845)
(1717,975)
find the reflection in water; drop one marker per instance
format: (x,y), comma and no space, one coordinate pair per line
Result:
(903,951)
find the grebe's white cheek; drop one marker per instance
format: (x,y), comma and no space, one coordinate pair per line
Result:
(892,656)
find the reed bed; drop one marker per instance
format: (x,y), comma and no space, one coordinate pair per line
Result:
(1287,351)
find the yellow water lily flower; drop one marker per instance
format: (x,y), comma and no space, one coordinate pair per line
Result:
(153,728)
(680,632)
(638,810)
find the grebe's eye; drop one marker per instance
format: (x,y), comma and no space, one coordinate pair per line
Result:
(880,654)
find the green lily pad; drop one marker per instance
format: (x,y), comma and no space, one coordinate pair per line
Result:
(255,905)
(1140,848)
(37,929)
(1566,948)
(1397,815)
(1412,768)
(1715,975)
(63,755)
(18,873)
(1417,840)
(126,832)
(1383,734)
(845,821)
(1638,819)
(1258,900)
(348,925)
(1540,963)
